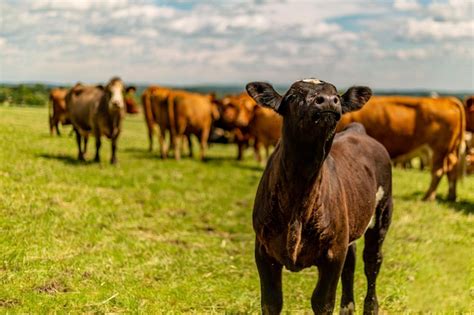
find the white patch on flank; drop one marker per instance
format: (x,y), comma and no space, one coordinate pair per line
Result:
(314,81)
(379,195)
(371,223)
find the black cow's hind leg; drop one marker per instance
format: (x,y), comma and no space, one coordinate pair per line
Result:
(374,238)
(78,141)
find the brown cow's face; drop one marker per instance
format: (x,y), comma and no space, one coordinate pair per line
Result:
(311,108)
(115,92)
(237,111)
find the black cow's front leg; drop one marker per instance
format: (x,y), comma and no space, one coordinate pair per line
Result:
(269,271)
(113,159)
(324,296)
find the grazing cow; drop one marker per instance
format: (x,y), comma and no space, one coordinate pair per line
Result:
(99,111)
(132,107)
(403,124)
(469,103)
(190,113)
(318,194)
(57,99)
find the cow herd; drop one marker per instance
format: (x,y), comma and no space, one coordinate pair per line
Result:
(328,180)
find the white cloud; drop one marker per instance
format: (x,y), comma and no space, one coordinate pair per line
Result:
(406,5)
(439,30)
(453,9)
(228,42)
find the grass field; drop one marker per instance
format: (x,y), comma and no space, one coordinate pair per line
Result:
(150,236)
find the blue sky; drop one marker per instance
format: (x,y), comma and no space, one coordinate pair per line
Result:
(400,44)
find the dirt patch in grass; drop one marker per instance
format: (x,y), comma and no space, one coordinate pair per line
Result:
(52,287)
(9,302)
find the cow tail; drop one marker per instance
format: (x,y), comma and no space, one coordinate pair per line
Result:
(461,143)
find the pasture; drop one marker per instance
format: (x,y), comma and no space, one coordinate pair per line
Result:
(150,236)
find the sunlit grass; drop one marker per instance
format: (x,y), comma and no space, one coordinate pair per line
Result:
(155,236)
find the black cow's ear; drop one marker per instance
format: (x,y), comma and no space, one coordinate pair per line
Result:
(264,94)
(355,98)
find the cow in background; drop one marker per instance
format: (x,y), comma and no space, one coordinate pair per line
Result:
(131,105)
(148,113)
(190,113)
(234,111)
(249,121)
(99,111)
(403,124)
(469,106)
(57,110)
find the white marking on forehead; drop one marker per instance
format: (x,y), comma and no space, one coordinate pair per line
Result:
(379,195)
(312,80)
(116,95)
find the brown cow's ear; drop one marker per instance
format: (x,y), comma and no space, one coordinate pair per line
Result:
(264,94)
(355,98)
(100,87)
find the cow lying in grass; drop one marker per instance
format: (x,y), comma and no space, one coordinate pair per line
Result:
(318,194)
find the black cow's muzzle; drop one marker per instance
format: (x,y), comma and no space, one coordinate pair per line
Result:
(326,115)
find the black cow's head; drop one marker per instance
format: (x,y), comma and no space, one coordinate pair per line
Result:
(310,108)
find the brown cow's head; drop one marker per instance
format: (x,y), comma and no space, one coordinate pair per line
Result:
(310,108)
(115,95)
(237,110)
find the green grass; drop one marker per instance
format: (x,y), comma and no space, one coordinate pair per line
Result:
(154,236)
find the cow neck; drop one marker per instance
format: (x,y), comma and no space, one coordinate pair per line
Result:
(301,165)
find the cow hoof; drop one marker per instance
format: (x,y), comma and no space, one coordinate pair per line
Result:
(452,198)
(429,198)
(348,309)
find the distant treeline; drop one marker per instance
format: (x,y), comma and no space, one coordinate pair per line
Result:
(38,94)
(24,95)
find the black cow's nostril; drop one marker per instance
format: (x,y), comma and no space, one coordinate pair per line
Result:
(335,100)
(319,100)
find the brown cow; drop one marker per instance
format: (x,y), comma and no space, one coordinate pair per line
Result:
(190,113)
(317,196)
(250,121)
(57,99)
(148,113)
(235,115)
(99,111)
(469,103)
(403,124)
(265,127)
(130,104)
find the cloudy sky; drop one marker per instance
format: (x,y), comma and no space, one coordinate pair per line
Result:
(385,44)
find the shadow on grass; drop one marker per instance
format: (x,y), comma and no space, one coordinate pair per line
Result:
(464,206)
(67,159)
